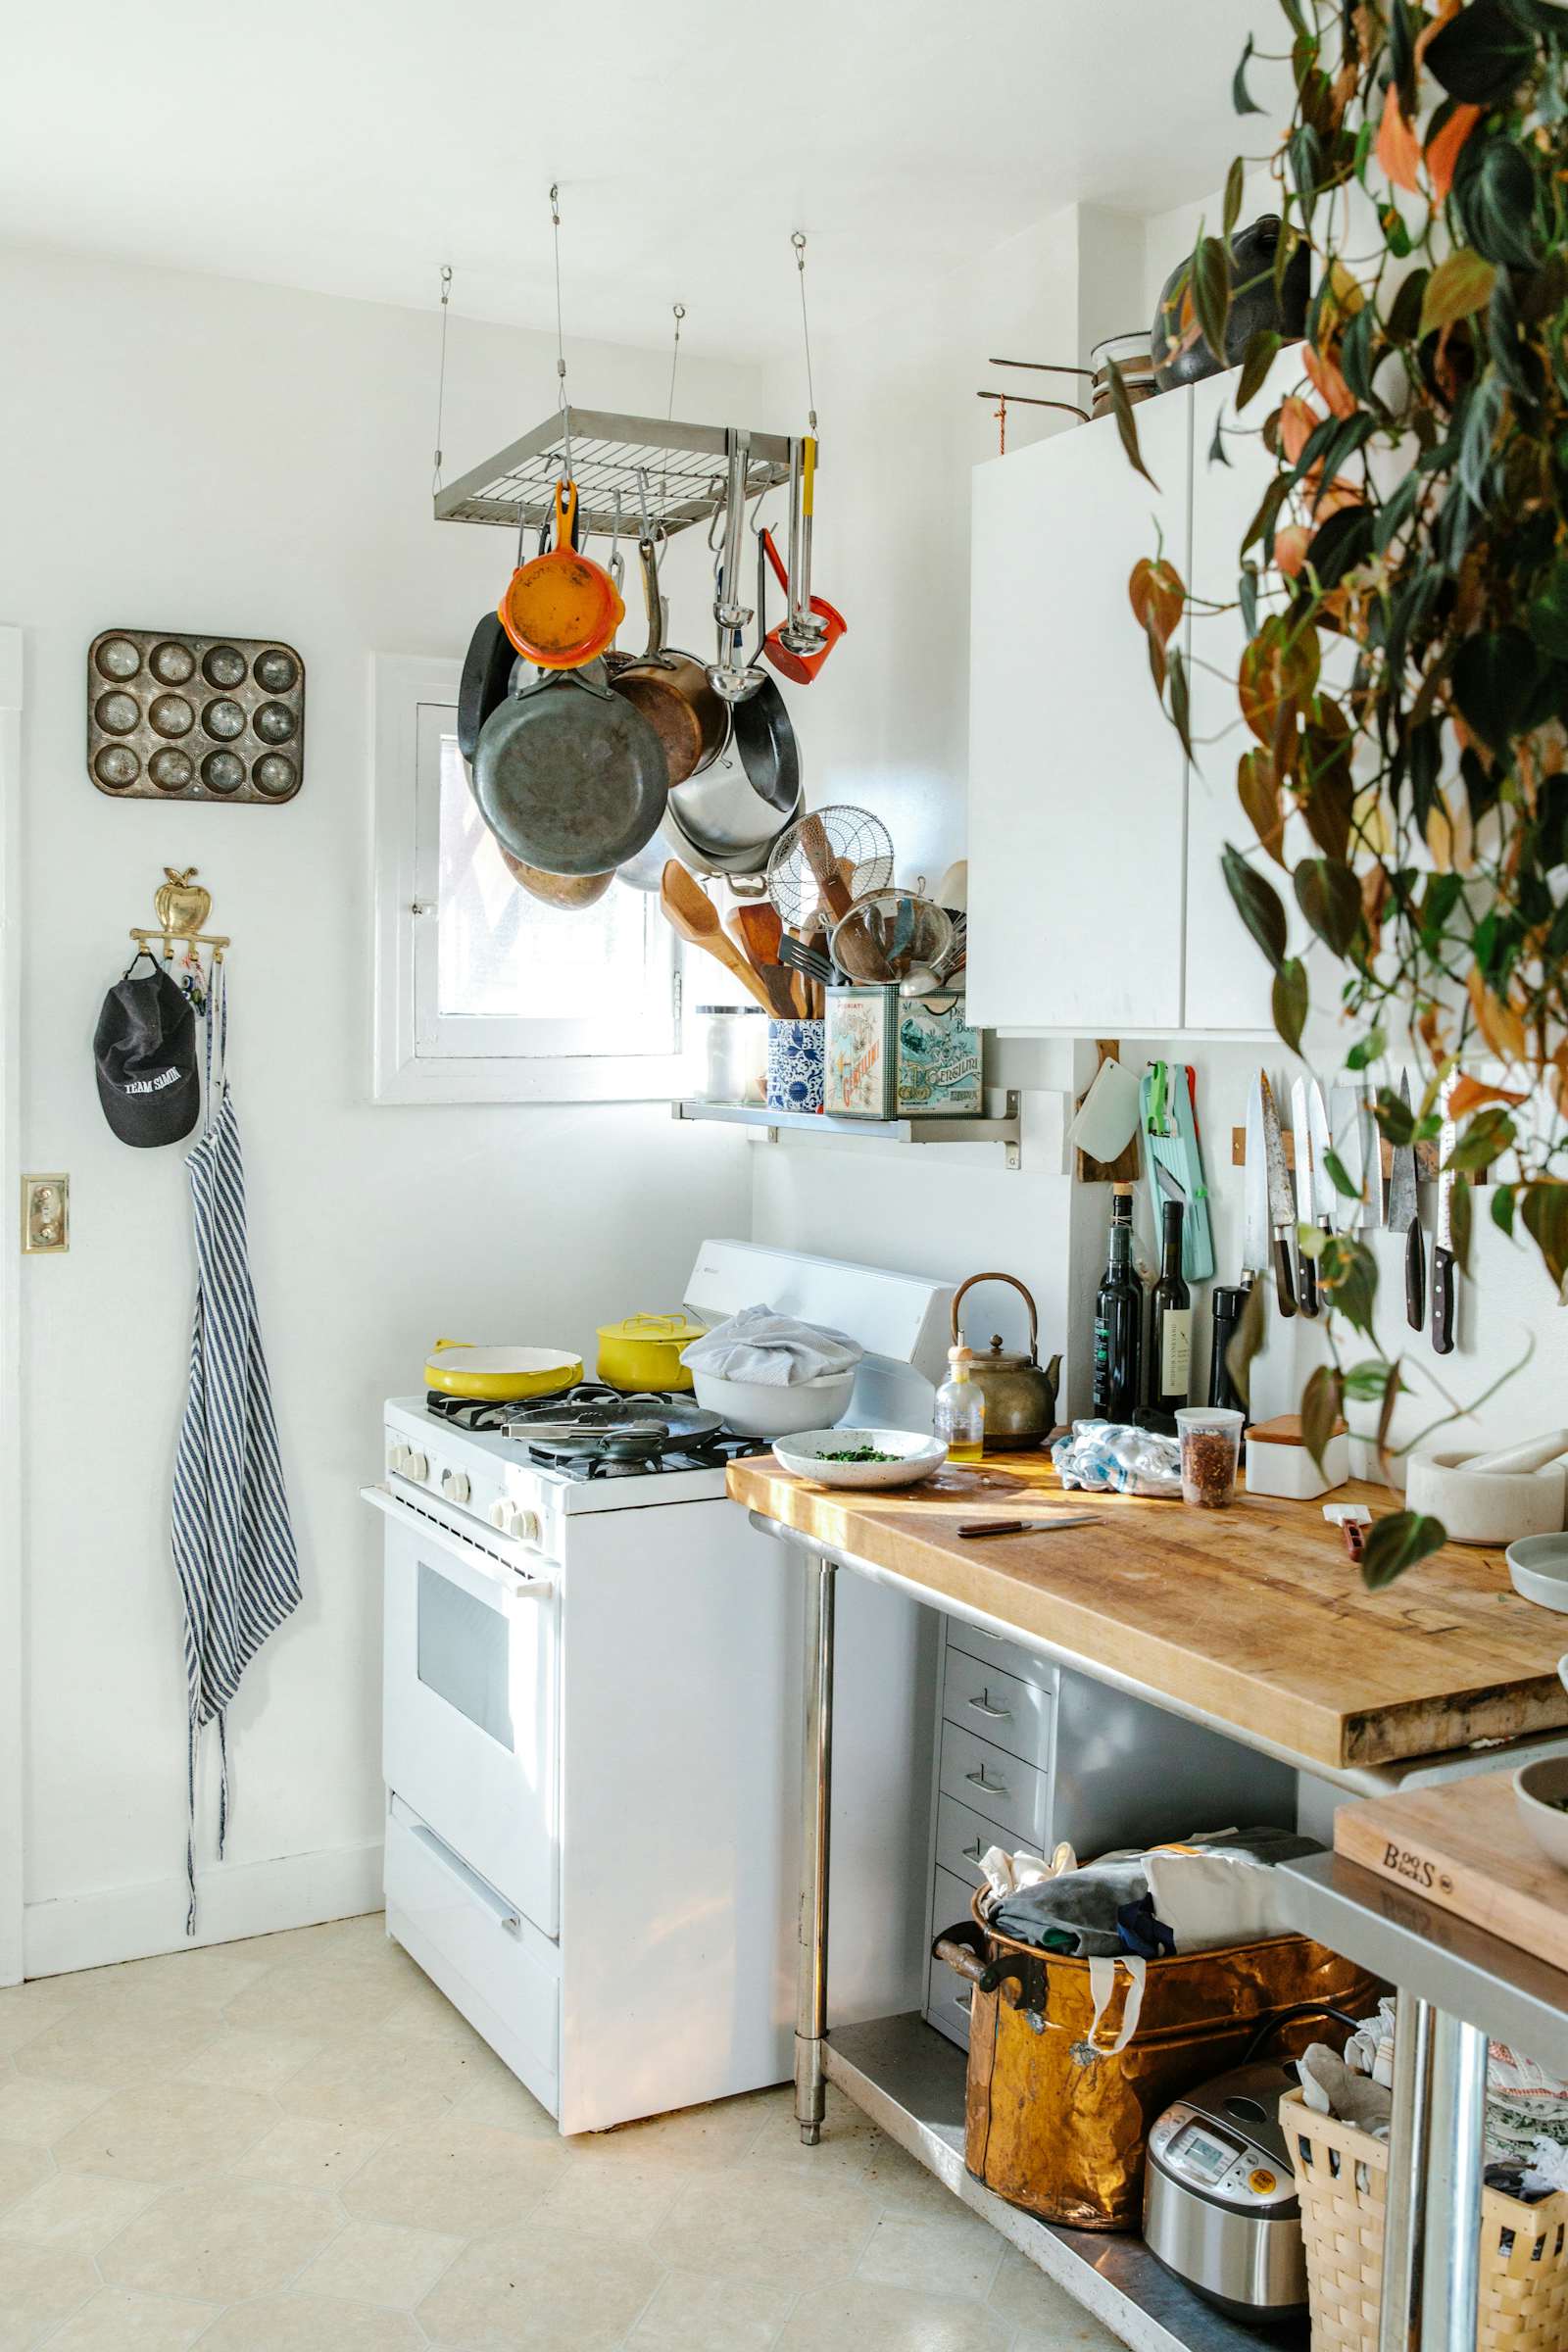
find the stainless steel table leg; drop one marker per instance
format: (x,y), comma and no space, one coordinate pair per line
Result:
(1451,2261)
(1399,2319)
(816,1795)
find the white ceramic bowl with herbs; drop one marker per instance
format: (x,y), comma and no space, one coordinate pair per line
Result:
(861,1457)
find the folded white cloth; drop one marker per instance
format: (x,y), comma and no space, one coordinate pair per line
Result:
(1009,1874)
(775,1350)
(1331,2088)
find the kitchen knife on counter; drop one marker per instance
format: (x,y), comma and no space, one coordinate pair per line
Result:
(1281,1202)
(1444,1272)
(1301,1135)
(1404,1217)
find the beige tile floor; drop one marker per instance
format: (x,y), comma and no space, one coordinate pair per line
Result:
(295,2144)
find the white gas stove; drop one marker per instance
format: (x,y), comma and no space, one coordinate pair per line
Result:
(590,1738)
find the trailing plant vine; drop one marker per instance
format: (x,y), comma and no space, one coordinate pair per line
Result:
(1403,592)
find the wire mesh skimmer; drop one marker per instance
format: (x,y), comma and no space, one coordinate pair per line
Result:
(824,861)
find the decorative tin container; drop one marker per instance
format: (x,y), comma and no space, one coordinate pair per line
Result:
(888,1058)
(794,1065)
(172,716)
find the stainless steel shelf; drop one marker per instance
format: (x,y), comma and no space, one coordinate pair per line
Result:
(909,2080)
(1431,1953)
(1001,1130)
(684,466)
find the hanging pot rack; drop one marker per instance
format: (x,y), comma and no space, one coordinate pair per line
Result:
(684,466)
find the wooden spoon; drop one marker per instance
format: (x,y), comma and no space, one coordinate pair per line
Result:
(692,914)
(760,931)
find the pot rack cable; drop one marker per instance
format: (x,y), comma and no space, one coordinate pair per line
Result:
(441,377)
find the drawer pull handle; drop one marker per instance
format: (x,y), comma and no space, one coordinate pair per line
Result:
(992,1787)
(964,2001)
(982,1706)
(972,1853)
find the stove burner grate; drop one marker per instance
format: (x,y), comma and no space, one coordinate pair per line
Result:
(604,1433)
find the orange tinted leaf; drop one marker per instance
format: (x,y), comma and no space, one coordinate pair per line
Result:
(1158,596)
(1299,421)
(1397,149)
(1327,383)
(1290,548)
(1258,789)
(1468,1093)
(1443,152)
(1498,1023)
(1434,26)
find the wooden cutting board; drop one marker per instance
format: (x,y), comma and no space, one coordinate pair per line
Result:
(1464,1848)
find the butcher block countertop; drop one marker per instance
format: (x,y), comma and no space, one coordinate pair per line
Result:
(1254,1616)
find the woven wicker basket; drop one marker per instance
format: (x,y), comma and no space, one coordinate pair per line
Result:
(1341,2178)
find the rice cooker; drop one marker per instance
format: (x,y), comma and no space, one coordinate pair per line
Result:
(1220,2209)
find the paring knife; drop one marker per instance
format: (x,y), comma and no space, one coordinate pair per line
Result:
(1444,1273)
(1404,1218)
(1281,1204)
(972,1529)
(1306,1265)
(1345,1134)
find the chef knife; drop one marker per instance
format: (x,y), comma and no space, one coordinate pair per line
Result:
(1444,1269)
(1325,1195)
(1404,1218)
(1373,1189)
(1256,1237)
(1305,1264)
(1344,1133)
(1281,1204)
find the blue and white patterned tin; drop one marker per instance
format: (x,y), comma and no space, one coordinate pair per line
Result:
(794,1065)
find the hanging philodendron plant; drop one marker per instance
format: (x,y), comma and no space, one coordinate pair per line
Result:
(1404,590)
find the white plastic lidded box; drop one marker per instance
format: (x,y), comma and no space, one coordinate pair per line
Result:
(1278,1461)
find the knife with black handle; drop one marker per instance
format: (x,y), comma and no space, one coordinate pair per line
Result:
(1281,1202)
(1404,1218)
(1444,1272)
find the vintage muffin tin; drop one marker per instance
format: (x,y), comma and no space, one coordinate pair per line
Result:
(175,718)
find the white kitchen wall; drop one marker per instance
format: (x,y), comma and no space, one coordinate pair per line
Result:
(194,453)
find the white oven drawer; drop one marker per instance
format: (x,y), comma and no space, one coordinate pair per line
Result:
(470,1737)
(490,1964)
(1000,1788)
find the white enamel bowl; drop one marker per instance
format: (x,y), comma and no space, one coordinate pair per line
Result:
(756,1410)
(1534,1787)
(1538,1568)
(914,1456)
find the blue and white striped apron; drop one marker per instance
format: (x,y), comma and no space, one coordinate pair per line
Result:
(233,1544)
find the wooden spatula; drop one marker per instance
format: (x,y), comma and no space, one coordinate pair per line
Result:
(692,914)
(761,933)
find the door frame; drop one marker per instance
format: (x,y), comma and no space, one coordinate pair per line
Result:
(11,1518)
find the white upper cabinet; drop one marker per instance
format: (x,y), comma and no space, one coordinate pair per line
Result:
(1076,778)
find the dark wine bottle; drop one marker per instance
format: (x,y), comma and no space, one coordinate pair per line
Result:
(1119,1322)
(1170,1332)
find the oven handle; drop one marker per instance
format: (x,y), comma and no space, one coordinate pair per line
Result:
(488,1578)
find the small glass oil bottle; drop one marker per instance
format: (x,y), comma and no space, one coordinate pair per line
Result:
(960,1409)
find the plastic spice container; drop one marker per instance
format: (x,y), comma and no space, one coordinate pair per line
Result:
(1210,1440)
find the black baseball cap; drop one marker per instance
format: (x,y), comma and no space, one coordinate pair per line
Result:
(145,1051)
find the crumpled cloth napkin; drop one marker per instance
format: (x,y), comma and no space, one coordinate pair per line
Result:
(775,1350)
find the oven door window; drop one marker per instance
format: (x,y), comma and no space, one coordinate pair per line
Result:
(463,1654)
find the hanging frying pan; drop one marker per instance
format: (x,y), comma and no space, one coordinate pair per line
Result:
(569,777)
(670,689)
(569,892)
(486,677)
(562,608)
(761,736)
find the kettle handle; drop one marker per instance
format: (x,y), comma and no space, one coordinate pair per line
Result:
(1024,1295)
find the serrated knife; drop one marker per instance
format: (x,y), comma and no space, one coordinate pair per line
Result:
(1301,1137)
(1444,1269)
(1403,1218)
(1281,1202)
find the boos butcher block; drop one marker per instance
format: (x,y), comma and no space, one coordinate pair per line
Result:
(1464,1848)
(1252,1616)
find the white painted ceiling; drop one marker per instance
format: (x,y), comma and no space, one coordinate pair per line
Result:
(354,145)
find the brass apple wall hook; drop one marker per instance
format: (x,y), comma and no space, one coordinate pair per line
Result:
(182,907)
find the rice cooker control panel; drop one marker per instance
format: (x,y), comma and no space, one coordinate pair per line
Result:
(1221,2163)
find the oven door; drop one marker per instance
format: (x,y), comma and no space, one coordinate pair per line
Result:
(470,1718)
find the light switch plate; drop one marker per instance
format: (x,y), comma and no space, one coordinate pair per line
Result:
(45,1215)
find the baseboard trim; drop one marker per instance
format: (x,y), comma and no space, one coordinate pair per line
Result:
(233,1901)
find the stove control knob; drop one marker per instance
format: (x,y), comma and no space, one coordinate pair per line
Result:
(500,1515)
(397,1457)
(416,1466)
(455,1485)
(509,1520)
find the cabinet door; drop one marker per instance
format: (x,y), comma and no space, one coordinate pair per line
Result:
(1076,782)
(1227,981)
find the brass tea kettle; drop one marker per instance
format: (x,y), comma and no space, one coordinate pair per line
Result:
(1021,1397)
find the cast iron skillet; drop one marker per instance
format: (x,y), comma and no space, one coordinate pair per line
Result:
(486,673)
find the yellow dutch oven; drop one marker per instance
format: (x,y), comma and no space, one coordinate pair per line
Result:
(644,1352)
(500,1375)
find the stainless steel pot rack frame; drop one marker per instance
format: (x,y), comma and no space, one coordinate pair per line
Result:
(685,465)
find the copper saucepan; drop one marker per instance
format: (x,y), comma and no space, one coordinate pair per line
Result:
(670,689)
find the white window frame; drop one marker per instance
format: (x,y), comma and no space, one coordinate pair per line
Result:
(419,1058)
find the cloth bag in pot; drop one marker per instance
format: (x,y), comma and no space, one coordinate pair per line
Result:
(1071,2062)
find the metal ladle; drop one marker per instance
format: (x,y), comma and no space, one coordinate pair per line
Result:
(732,679)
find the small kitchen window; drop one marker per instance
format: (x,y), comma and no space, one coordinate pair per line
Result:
(483,993)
